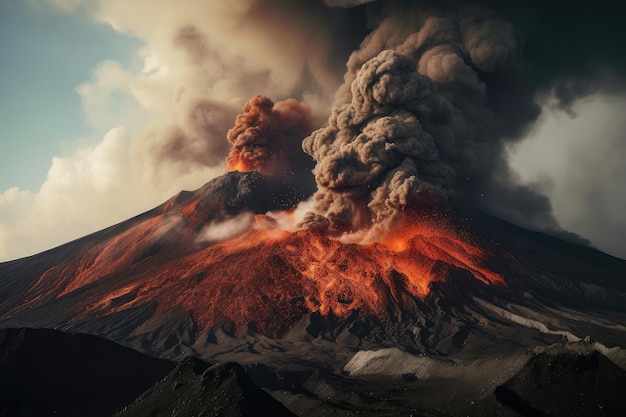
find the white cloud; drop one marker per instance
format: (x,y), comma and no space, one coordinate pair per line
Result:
(90,189)
(227,229)
(577,160)
(201,61)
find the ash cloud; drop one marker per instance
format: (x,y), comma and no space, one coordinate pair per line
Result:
(267,138)
(194,140)
(378,151)
(493,63)
(484,95)
(414,122)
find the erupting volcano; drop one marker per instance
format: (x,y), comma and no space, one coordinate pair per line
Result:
(347,264)
(262,273)
(383,242)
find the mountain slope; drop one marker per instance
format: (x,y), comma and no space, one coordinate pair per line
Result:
(194,388)
(46,372)
(187,277)
(212,274)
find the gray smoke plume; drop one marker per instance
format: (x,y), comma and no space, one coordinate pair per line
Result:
(378,151)
(414,123)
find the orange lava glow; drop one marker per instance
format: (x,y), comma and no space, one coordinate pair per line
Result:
(238,165)
(438,241)
(266,276)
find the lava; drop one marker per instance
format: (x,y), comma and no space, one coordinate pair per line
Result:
(238,165)
(272,277)
(266,275)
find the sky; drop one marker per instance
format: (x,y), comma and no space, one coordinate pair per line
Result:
(108,108)
(49,55)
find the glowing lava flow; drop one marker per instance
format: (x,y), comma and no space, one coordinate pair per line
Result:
(437,241)
(272,277)
(266,276)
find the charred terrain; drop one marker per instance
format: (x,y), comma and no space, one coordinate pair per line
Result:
(45,372)
(460,313)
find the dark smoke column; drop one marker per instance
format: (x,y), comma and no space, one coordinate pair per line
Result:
(431,99)
(377,155)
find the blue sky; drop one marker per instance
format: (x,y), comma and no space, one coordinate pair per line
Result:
(45,56)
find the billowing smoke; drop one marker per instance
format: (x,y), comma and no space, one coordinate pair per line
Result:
(378,155)
(414,121)
(267,138)
(193,142)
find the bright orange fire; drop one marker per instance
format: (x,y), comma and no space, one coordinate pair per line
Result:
(238,165)
(267,276)
(438,241)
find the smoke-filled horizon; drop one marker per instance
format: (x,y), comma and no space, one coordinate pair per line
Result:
(394,100)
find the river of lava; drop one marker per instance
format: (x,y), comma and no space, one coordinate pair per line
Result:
(267,276)
(272,277)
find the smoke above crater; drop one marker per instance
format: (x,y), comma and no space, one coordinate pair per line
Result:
(377,155)
(431,100)
(267,138)
(414,124)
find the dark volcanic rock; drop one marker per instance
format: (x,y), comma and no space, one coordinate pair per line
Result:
(153,283)
(235,192)
(194,388)
(50,373)
(566,384)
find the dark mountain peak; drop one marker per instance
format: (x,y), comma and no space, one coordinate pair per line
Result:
(196,388)
(236,192)
(566,383)
(45,372)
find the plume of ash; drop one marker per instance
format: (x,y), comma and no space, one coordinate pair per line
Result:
(414,121)
(378,155)
(266,138)
(227,229)
(194,142)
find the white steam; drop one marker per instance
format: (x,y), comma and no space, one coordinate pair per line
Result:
(226,229)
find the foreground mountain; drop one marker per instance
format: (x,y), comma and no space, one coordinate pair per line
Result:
(591,383)
(49,373)
(46,372)
(224,274)
(195,388)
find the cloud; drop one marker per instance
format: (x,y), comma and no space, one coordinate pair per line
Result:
(420,122)
(90,189)
(378,155)
(577,156)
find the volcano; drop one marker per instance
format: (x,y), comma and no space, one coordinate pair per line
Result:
(452,305)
